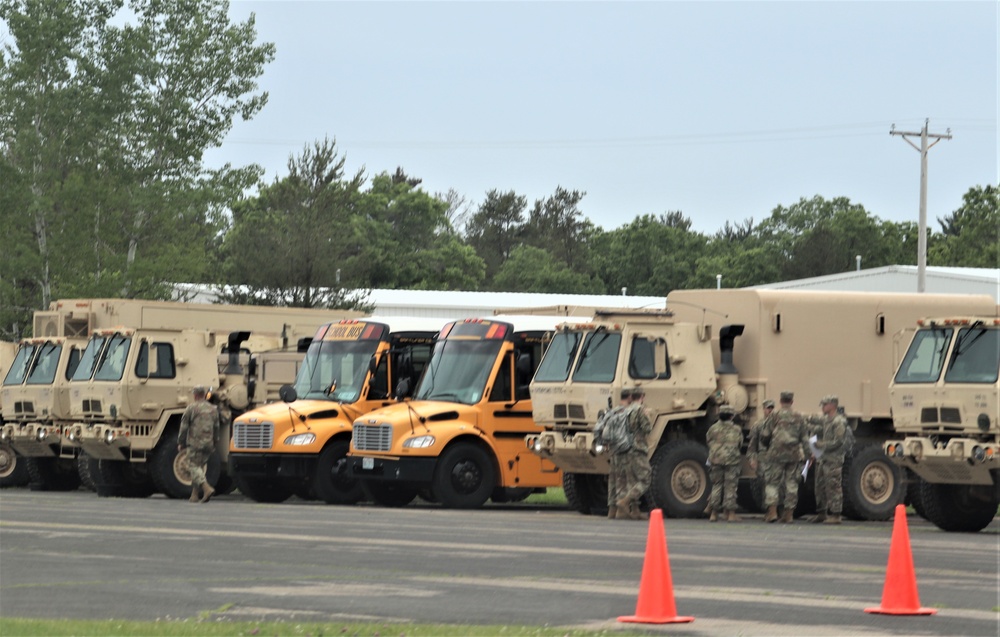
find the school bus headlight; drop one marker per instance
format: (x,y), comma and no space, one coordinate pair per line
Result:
(420,442)
(300,439)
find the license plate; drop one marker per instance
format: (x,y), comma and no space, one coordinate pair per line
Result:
(368,463)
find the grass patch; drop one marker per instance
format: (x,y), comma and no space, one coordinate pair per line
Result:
(553,497)
(217,628)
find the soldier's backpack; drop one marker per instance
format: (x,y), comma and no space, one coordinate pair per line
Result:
(612,430)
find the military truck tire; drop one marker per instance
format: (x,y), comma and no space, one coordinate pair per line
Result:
(577,493)
(955,508)
(168,468)
(225,484)
(331,482)
(121,479)
(13,472)
(914,497)
(262,489)
(388,494)
(86,467)
(873,484)
(51,474)
(680,483)
(806,503)
(464,477)
(750,494)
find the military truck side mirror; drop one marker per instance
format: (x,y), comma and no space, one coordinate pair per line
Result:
(288,394)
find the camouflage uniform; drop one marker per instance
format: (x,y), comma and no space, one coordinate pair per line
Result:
(789,436)
(199,429)
(724,439)
(637,469)
(830,466)
(757,445)
(617,476)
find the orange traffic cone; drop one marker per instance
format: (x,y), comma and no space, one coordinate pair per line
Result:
(656,590)
(899,596)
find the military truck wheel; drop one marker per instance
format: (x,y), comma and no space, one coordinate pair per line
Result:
(464,477)
(914,498)
(331,481)
(680,483)
(86,467)
(168,468)
(577,493)
(121,479)
(388,494)
(262,489)
(13,472)
(958,508)
(52,474)
(225,484)
(750,495)
(873,484)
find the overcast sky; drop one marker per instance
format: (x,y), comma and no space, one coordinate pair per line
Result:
(719,110)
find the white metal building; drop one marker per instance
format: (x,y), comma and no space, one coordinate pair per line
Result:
(903,278)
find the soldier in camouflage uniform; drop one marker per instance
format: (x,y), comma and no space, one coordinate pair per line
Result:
(199,430)
(830,466)
(724,439)
(637,459)
(618,477)
(757,446)
(789,436)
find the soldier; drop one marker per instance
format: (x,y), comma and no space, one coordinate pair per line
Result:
(757,446)
(830,466)
(637,459)
(789,436)
(724,439)
(199,430)
(617,477)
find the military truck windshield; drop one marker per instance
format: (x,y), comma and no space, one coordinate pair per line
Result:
(43,370)
(19,368)
(558,359)
(458,371)
(976,357)
(85,369)
(925,357)
(335,370)
(599,358)
(112,363)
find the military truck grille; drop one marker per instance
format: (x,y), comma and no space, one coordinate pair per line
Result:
(559,412)
(950,414)
(258,435)
(576,412)
(372,437)
(91,406)
(24,407)
(947,414)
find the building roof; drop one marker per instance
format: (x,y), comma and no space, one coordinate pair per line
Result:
(903,278)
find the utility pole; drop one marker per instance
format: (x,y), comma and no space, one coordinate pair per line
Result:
(922,225)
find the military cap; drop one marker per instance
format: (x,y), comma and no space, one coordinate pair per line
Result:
(200,390)
(726,409)
(626,394)
(787,396)
(830,398)
(638,391)
(768,403)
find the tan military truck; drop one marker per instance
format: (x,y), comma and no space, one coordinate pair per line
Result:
(12,472)
(946,404)
(734,346)
(300,446)
(35,399)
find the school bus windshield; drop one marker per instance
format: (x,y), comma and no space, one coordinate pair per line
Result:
(458,371)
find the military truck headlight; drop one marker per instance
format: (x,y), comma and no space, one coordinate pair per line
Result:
(41,433)
(109,436)
(916,450)
(420,442)
(979,453)
(300,439)
(599,448)
(4,435)
(538,445)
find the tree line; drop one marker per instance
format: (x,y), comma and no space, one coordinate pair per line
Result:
(104,123)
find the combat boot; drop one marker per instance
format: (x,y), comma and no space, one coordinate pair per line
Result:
(708,510)
(195,494)
(819,517)
(732,517)
(208,492)
(623,509)
(635,512)
(612,512)
(772,513)
(713,516)
(786,516)
(833,519)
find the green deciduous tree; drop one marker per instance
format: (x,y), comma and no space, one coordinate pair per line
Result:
(531,269)
(496,228)
(970,236)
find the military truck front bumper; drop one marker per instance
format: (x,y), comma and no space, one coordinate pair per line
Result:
(106,442)
(414,470)
(955,461)
(573,452)
(273,465)
(38,440)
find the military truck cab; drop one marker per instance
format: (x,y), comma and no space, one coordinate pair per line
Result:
(946,403)
(300,446)
(459,441)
